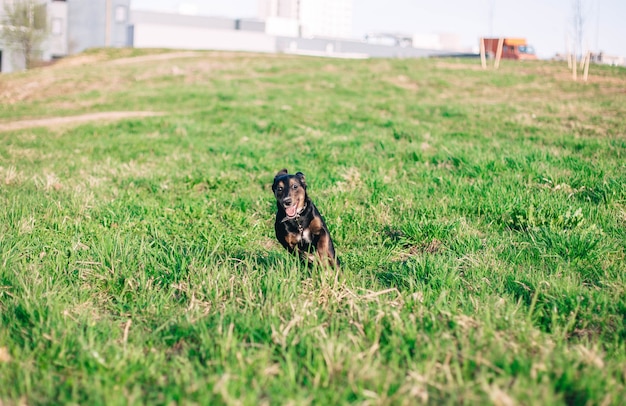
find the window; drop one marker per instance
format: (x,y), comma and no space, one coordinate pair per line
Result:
(57,26)
(526,49)
(120,14)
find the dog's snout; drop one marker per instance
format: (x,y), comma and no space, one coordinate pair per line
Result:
(287,201)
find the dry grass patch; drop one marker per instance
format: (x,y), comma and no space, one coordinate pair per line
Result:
(75,120)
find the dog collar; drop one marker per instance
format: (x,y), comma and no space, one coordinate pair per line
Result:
(297,217)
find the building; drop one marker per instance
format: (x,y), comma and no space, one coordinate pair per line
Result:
(307,18)
(97,23)
(605,59)
(73,26)
(148,29)
(326,18)
(279,8)
(55,44)
(304,27)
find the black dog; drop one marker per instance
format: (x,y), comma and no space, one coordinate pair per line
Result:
(299,226)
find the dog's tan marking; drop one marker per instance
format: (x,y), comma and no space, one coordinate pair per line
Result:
(316,226)
(297,195)
(292,240)
(323,248)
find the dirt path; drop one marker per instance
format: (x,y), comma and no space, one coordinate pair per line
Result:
(152,58)
(72,120)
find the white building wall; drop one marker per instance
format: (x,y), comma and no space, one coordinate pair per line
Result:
(427,41)
(279,8)
(326,18)
(52,46)
(450,41)
(178,37)
(56,44)
(316,18)
(283,27)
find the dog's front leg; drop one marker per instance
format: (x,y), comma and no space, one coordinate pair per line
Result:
(324,249)
(306,256)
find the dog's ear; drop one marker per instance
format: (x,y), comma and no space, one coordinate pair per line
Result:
(300,177)
(280,173)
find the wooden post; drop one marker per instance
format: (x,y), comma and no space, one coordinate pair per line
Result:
(496,64)
(568,55)
(569,60)
(587,62)
(483,57)
(574,65)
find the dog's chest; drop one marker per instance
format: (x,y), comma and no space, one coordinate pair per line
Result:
(295,234)
(302,237)
(306,236)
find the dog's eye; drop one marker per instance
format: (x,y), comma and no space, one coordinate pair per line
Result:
(280,189)
(294,186)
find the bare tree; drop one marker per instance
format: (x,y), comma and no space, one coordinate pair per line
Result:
(580,14)
(24,28)
(492,7)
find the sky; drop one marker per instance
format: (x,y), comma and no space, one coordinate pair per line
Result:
(544,23)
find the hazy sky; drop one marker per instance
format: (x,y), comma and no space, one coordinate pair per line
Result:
(544,23)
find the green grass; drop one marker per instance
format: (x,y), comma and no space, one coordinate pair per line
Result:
(479,217)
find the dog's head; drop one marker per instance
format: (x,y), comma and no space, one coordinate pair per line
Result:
(290,192)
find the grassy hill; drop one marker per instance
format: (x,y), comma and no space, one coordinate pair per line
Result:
(480,217)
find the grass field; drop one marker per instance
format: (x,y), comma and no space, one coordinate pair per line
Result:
(480,217)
